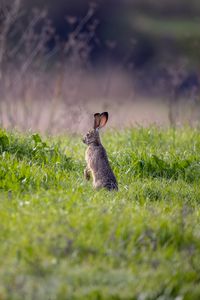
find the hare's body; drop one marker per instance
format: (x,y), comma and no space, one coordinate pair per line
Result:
(98,165)
(96,157)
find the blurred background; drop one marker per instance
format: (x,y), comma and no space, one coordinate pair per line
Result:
(61,61)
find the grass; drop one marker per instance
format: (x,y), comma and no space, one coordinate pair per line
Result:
(178,28)
(60,239)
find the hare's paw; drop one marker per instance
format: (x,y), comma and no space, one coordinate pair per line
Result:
(87,174)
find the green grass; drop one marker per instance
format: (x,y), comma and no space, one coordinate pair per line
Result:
(60,239)
(177,28)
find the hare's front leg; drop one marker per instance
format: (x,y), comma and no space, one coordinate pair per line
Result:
(87,173)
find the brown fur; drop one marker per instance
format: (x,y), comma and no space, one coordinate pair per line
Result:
(97,160)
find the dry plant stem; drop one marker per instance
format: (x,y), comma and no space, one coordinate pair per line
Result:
(1,114)
(26,107)
(83,22)
(35,51)
(73,36)
(31,25)
(10,104)
(38,112)
(171,116)
(9,112)
(9,20)
(57,97)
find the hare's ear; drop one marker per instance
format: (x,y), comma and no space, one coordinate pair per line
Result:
(97,120)
(103,119)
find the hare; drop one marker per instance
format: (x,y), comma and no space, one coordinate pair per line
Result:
(96,157)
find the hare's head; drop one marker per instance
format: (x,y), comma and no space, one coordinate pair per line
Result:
(92,137)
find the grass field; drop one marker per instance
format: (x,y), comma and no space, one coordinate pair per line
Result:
(60,239)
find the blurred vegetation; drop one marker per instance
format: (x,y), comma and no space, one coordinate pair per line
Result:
(149,30)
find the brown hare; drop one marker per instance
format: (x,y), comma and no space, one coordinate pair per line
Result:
(96,157)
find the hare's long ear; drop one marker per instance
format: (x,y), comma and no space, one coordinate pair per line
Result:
(103,119)
(97,120)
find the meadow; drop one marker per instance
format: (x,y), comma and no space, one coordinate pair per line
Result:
(60,239)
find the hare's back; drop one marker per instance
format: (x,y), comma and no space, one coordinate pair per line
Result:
(96,156)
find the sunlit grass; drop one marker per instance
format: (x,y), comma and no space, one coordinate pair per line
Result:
(178,28)
(60,239)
